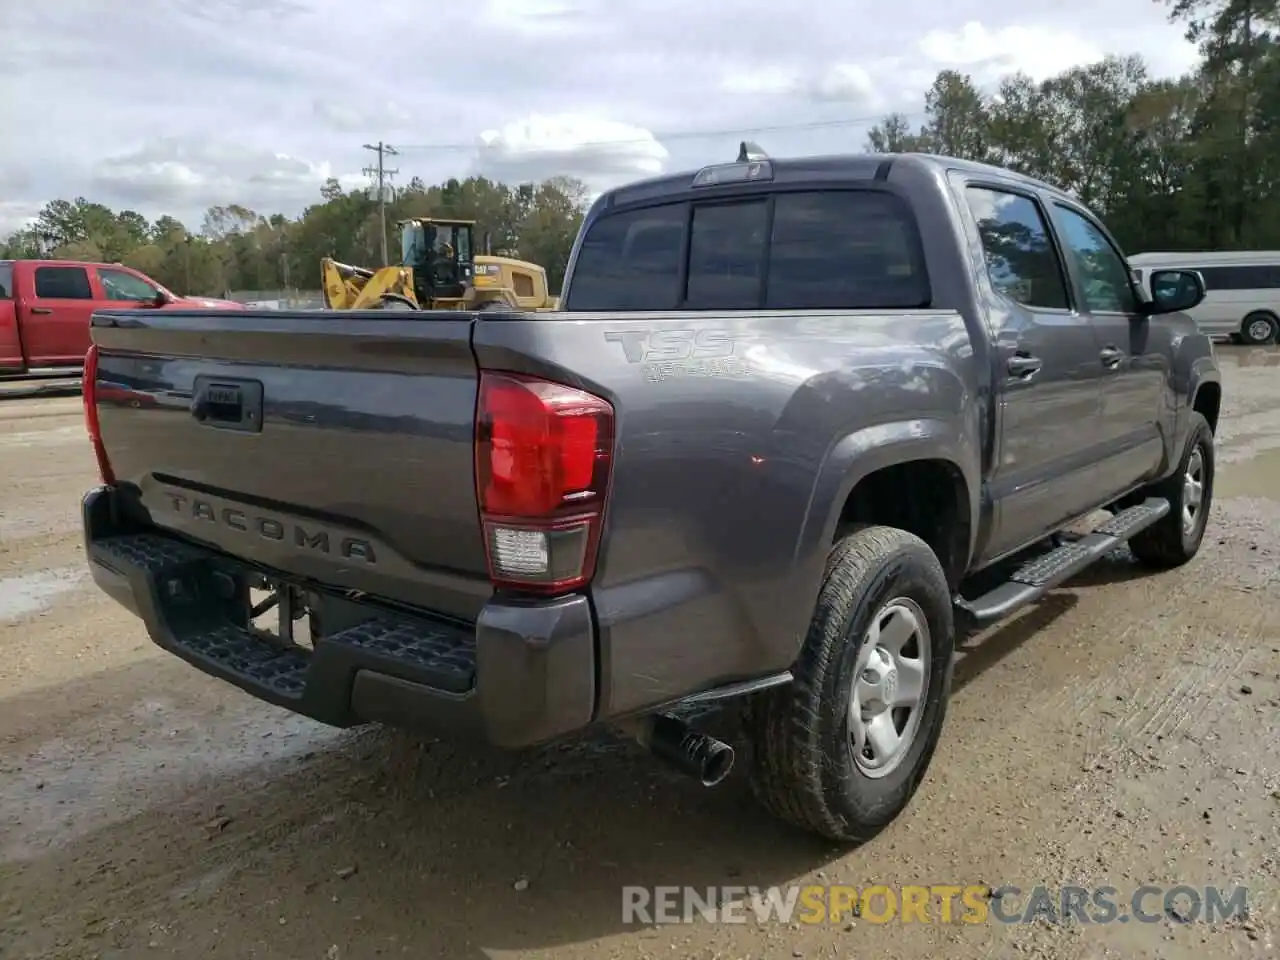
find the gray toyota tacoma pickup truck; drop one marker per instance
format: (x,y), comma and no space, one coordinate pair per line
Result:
(787,412)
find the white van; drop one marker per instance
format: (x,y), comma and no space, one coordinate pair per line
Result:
(1242,298)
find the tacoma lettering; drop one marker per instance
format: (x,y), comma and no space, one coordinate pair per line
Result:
(269,528)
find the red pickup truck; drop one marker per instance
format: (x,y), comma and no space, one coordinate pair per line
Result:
(45,307)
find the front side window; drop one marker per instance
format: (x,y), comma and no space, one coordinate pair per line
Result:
(119,285)
(1103,272)
(63,283)
(1021,260)
(844,249)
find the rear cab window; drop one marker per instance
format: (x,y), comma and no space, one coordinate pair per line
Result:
(851,249)
(63,283)
(6,279)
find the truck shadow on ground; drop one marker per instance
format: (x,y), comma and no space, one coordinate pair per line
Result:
(377,842)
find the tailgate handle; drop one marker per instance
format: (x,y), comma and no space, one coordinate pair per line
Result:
(228,404)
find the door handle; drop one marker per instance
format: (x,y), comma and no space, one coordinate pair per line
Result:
(1024,365)
(1111,356)
(41,310)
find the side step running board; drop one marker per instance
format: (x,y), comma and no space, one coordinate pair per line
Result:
(1037,577)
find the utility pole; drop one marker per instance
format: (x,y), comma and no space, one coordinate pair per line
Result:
(383,176)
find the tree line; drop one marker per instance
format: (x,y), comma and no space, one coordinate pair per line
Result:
(1190,163)
(236,248)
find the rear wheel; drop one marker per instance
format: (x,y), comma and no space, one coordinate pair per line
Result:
(841,750)
(1260,328)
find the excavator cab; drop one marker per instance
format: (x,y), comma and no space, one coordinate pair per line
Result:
(439,252)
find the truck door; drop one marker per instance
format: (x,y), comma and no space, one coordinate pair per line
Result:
(1046,377)
(1134,351)
(55,326)
(10,341)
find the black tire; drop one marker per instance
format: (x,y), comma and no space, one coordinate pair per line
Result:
(804,771)
(1169,542)
(1251,330)
(393,301)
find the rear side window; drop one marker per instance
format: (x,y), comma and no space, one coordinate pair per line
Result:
(1241,278)
(726,256)
(851,250)
(63,283)
(6,281)
(631,261)
(1021,260)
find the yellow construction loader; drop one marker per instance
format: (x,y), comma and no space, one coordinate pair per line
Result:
(438,270)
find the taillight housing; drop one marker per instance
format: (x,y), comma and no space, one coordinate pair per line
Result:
(543,457)
(89,393)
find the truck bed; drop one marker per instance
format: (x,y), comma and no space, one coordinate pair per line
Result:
(734,436)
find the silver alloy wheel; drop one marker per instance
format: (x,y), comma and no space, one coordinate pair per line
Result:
(1192,491)
(890,687)
(1260,329)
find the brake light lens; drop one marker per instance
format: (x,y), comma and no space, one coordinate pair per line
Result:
(89,394)
(543,458)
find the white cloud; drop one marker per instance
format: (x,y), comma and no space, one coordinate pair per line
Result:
(16,215)
(180,173)
(847,83)
(170,106)
(1036,51)
(589,148)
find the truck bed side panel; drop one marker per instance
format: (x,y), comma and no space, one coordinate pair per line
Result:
(719,518)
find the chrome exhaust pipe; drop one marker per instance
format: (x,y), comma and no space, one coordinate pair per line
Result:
(680,746)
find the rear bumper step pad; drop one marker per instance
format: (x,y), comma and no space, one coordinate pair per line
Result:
(519,675)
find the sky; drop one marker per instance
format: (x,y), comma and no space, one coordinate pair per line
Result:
(171,106)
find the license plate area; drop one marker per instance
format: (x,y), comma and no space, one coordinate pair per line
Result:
(227,404)
(279,614)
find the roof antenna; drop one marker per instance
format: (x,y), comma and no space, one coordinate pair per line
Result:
(749,152)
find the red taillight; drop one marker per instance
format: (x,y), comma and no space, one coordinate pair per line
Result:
(89,393)
(543,452)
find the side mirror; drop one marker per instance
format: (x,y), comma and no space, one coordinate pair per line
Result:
(160,299)
(1173,291)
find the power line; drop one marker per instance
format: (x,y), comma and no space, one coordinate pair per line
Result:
(383,176)
(689,134)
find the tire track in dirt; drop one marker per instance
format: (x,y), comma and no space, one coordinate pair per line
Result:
(199,828)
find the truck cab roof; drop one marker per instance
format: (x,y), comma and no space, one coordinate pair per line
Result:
(732,176)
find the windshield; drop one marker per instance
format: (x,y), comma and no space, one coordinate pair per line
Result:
(451,241)
(413,244)
(443,242)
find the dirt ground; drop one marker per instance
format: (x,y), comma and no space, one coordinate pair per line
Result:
(1126,731)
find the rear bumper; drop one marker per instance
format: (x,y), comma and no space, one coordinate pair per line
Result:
(520,675)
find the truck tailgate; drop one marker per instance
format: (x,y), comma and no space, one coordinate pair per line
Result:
(332,448)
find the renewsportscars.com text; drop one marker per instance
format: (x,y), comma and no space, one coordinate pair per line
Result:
(936,903)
